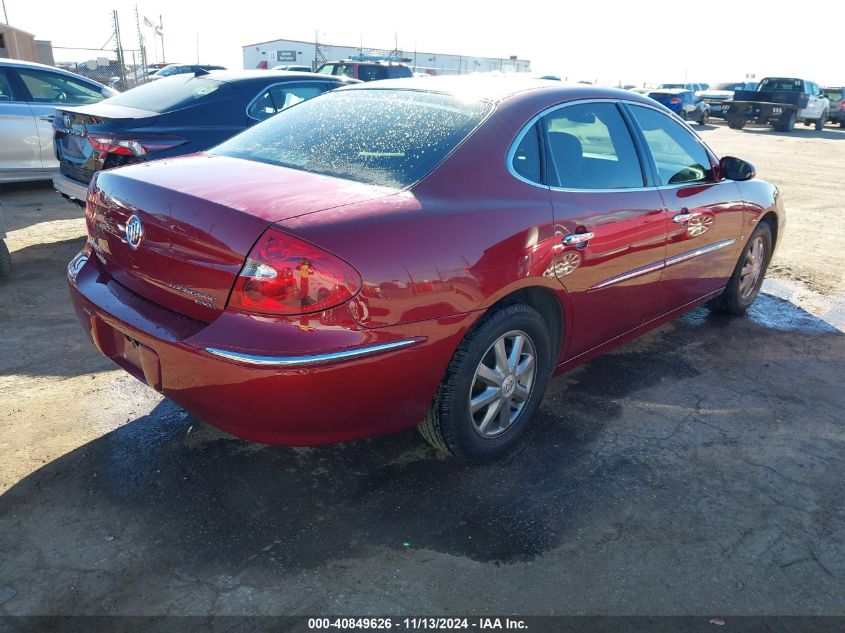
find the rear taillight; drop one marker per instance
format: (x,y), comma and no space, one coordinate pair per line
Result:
(675,100)
(842,106)
(133,146)
(286,276)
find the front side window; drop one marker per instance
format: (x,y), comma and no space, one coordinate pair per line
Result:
(589,147)
(383,137)
(679,157)
(46,87)
(278,98)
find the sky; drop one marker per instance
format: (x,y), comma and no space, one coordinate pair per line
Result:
(609,41)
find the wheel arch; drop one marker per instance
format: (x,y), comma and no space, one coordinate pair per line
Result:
(552,304)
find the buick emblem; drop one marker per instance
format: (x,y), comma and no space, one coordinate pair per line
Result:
(134,232)
(67,120)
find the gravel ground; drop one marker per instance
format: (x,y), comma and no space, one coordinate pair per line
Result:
(698,470)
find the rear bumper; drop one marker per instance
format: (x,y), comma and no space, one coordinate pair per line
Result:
(311,383)
(69,187)
(836,116)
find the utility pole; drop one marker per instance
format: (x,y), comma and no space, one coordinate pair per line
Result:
(6,15)
(161,34)
(118,49)
(140,46)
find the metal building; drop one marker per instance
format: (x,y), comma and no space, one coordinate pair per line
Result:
(276,52)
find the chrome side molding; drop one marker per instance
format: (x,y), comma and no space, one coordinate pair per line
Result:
(671,261)
(315,359)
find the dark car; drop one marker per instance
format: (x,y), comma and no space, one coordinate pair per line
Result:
(836,114)
(414,252)
(183,69)
(176,115)
(366,70)
(684,103)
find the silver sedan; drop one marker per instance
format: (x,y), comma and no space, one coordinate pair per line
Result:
(29,94)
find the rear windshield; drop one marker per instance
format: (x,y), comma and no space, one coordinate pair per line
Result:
(382,137)
(169,94)
(730,86)
(671,86)
(834,94)
(781,83)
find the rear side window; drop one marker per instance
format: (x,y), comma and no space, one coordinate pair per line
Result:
(5,88)
(172,93)
(590,147)
(372,73)
(282,96)
(383,137)
(47,87)
(679,157)
(526,156)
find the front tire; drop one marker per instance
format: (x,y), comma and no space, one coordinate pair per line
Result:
(493,385)
(705,118)
(822,120)
(744,284)
(5,261)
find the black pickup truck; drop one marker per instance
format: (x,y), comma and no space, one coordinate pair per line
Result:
(780,101)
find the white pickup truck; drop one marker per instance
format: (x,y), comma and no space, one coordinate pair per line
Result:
(781,101)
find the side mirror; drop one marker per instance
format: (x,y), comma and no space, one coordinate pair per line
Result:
(737,169)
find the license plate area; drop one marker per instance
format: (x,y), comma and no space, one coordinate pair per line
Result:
(129,354)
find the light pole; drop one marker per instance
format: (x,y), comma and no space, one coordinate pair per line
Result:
(6,15)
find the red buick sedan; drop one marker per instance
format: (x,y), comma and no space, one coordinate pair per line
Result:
(414,253)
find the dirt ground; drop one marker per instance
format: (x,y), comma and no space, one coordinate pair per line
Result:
(698,470)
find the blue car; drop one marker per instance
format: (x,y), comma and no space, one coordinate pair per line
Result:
(684,103)
(176,115)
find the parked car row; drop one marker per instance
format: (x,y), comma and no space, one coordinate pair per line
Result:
(779,101)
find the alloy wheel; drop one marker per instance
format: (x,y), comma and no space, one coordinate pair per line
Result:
(502,383)
(752,267)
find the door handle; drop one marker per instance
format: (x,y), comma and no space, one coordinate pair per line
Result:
(683,218)
(48,117)
(578,238)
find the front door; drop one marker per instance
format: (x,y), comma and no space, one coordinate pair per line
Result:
(704,216)
(608,218)
(19,148)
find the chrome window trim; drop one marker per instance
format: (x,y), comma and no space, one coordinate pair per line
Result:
(660,265)
(284,83)
(312,359)
(518,139)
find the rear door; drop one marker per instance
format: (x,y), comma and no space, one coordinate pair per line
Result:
(19,150)
(47,91)
(609,220)
(704,216)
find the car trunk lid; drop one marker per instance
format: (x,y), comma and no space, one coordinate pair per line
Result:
(199,218)
(73,126)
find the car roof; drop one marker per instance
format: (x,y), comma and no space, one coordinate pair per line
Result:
(19,63)
(237,76)
(672,91)
(496,87)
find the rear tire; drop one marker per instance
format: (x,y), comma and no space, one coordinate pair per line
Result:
(464,418)
(744,284)
(5,261)
(786,122)
(822,120)
(736,122)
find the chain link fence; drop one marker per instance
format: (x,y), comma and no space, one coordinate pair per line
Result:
(104,66)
